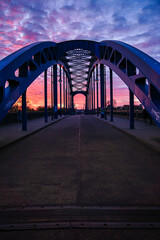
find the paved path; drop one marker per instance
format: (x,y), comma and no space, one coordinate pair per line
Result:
(147,133)
(10,133)
(79,160)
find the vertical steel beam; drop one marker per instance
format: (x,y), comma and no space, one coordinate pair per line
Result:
(105,98)
(52,91)
(55,91)
(66,94)
(111,95)
(60,90)
(86,107)
(23,72)
(63,91)
(45,95)
(94,91)
(97,88)
(72,105)
(91,87)
(102,89)
(24,112)
(131,109)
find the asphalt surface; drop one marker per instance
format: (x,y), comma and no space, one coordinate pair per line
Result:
(79,160)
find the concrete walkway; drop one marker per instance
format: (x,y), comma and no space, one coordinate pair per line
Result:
(146,133)
(12,132)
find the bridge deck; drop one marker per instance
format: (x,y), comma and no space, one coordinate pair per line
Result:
(79,161)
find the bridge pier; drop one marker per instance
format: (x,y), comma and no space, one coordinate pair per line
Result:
(131,109)
(24,112)
(111,95)
(45,95)
(55,91)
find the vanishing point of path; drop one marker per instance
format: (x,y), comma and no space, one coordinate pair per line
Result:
(79,160)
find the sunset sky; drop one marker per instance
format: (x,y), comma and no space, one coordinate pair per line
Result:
(23,22)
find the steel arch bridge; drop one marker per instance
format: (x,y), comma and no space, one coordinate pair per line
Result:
(78,67)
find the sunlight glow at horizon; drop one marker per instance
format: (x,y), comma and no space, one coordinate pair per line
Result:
(79,101)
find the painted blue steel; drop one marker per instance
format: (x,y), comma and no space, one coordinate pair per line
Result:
(111,95)
(63,47)
(94,91)
(97,89)
(79,92)
(72,106)
(45,95)
(102,89)
(131,109)
(86,107)
(55,91)
(63,92)
(140,72)
(18,84)
(24,112)
(60,90)
(66,94)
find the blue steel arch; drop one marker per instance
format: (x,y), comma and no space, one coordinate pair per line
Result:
(79,92)
(31,61)
(140,72)
(65,46)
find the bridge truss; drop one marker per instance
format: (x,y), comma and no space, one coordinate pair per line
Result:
(78,62)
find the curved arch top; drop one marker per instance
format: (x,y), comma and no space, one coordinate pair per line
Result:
(140,72)
(65,46)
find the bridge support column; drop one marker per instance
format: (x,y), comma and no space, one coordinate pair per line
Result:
(55,91)
(105,110)
(72,105)
(86,107)
(97,88)
(66,94)
(111,95)
(94,91)
(63,92)
(45,95)
(60,90)
(52,91)
(24,112)
(131,109)
(102,89)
